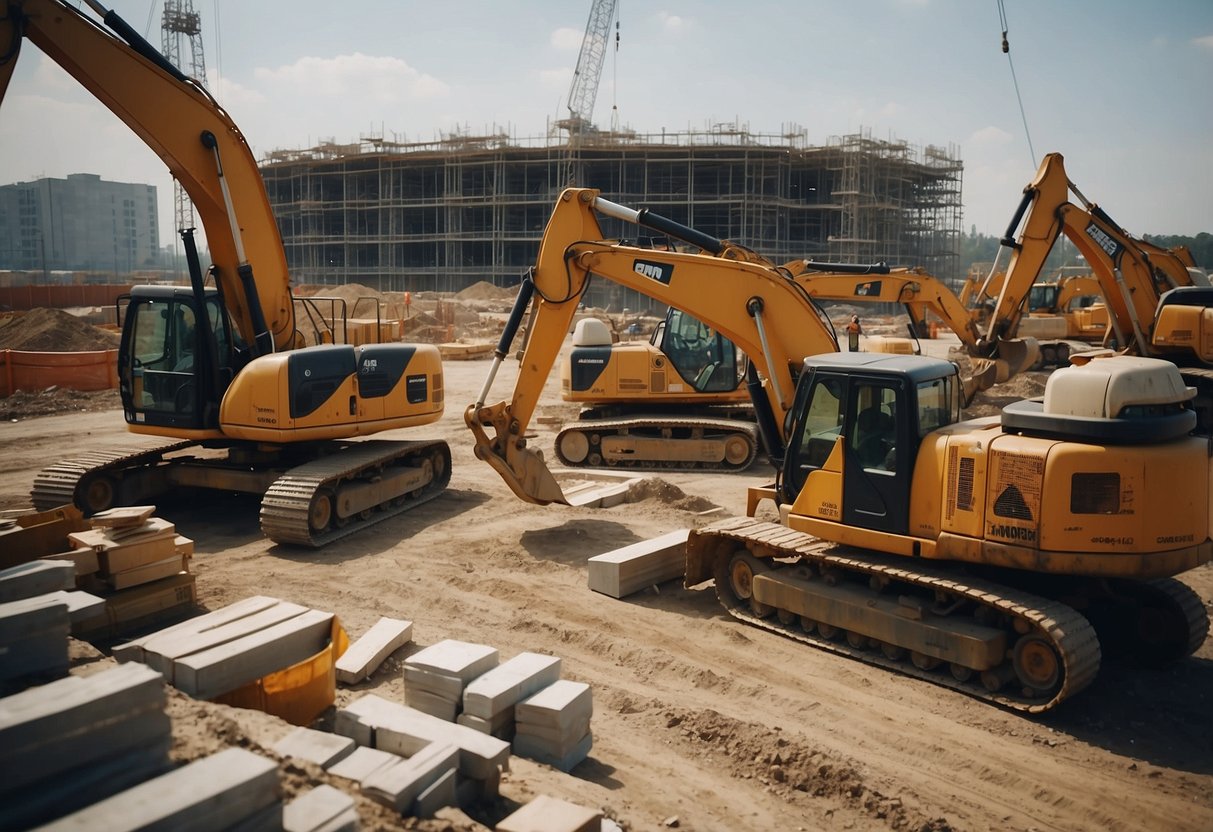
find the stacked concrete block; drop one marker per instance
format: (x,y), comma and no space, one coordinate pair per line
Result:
(80,739)
(323,809)
(234,789)
(37,577)
(319,747)
(33,639)
(553,726)
(213,654)
(489,700)
(419,784)
(131,555)
(550,814)
(434,678)
(366,654)
(38,603)
(397,729)
(632,568)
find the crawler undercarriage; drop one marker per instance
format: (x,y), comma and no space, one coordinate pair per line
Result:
(310,498)
(660,441)
(990,639)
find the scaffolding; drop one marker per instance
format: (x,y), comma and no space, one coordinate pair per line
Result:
(445,214)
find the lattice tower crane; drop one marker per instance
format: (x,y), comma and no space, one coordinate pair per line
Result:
(583,91)
(180,22)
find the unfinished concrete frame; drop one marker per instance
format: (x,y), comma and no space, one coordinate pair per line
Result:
(445,214)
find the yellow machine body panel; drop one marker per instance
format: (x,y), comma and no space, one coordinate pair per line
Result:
(1187,328)
(1032,503)
(334,392)
(635,373)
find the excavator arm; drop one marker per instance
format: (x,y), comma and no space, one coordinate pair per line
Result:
(746,298)
(1132,274)
(919,293)
(191,133)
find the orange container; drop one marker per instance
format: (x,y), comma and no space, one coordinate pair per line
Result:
(300,693)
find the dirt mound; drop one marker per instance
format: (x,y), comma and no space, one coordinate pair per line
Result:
(54,400)
(655,488)
(788,767)
(53,330)
(485,291)
(990,402)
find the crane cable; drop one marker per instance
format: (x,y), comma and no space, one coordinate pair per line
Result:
(615,77)
(1006,48)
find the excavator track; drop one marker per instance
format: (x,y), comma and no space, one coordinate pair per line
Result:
(692,443)
(1050,638)
(1184,610)
(309,505)
(94,482)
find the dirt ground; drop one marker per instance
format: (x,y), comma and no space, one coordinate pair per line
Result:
(700,722)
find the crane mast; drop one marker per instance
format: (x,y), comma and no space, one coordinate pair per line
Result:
(584,90)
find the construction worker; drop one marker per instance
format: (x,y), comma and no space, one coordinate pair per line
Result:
(854,330)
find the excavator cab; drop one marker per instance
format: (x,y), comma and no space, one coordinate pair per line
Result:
(705,359)
(172,367)
(855,429)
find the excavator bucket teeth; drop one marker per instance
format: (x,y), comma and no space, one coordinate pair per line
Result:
(1015,355)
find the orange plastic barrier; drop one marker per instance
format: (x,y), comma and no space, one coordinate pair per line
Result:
(20,370)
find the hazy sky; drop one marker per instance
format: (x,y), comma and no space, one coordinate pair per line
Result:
(1121,87)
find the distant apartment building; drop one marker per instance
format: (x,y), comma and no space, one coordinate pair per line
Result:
(81,223)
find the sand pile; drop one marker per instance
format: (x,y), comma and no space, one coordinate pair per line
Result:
(53,330)
(486,291)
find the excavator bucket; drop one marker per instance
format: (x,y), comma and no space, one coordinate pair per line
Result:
(1014,356)
(524,471)
(983,377)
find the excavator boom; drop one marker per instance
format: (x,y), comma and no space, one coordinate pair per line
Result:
(741,295)
(225,365)
(194,137)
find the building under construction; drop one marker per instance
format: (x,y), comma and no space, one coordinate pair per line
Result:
(444,215)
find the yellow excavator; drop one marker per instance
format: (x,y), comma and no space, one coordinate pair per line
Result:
(674,402)
(1157,301)
(677,402)
(999,556)
(221,369)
